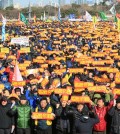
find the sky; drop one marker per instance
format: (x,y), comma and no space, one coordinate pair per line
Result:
(25,3)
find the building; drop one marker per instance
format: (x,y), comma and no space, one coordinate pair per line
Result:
(6,3)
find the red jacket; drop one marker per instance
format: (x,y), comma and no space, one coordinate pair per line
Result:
(10,74)
(102,112)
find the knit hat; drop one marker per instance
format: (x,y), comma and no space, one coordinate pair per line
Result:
(23,97)
(4,98)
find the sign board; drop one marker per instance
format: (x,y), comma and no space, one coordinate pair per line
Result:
(21,41)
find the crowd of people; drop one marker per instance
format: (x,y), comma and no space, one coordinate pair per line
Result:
(71,73)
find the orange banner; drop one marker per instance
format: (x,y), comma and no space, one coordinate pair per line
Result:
(56,91)
(83,84)
(42,116)
(18,83)
(45,91)
(116,91)
(80,99)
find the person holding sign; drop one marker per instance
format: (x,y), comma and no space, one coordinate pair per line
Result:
(44,126)
(101,110)
(63,122)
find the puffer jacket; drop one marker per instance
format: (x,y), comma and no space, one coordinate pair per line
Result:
(23,113)
(102,113)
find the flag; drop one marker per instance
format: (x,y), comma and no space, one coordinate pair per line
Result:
(19,17)
(17,75)
(44,16)
(118,25)
(34,18)
(103,16)
(3,28)
(113,10)
(59,14)
(23,19)
(88,16)
(94,18)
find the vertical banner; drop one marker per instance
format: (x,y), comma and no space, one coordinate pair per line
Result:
(94,18)
(118,25)
(3,28)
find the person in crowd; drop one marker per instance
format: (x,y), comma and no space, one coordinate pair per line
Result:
(6,120)
(84,124)
(101,111)
(115,114)
(22,113)
(62,119)
(44,126)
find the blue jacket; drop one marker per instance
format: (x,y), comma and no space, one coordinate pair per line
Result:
(32,99)
(5,82)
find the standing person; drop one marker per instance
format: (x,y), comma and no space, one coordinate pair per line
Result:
(62,119)
(115,114)
(102,111)
(6,121)
(44,126)
(84,124)
(23,116)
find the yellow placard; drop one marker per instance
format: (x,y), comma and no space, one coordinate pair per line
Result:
(83,84)
(18,83)
(42,116)
(80,99)
(25,50)
(4,50)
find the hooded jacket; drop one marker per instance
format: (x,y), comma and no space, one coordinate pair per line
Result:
(85,125)
(5,82)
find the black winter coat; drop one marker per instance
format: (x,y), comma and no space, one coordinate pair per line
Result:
(61,116)
(115,125)
(85,126)
(6,121)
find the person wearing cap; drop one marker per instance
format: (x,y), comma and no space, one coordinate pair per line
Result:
(22,113)
(6,121)
(44,126)
(115,114)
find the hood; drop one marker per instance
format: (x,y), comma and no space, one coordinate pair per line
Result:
(4,76)
(84,119)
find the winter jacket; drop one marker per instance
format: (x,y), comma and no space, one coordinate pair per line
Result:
(23,115)
(85,126)
(62,119)
(31,99)
(115,125)
(8,70)
(102,113)
(5,82)
(43,124)
(5,118)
